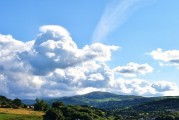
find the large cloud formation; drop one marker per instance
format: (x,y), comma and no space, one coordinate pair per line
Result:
(52,65)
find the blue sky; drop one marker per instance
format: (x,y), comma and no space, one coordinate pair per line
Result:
(138,44)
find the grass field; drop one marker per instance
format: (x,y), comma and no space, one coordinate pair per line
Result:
(19,114)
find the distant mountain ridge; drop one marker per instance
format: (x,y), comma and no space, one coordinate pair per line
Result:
(106,100)
(96,99)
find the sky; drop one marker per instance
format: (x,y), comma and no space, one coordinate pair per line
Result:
(55,48)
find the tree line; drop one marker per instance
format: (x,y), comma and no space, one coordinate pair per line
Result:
(59,111)
(8,103)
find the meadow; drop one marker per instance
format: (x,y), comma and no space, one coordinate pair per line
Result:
(20,114)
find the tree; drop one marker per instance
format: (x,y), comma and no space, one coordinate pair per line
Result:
(57,104)
(41,105)
(177,117)
(118,117)
(170,117)
(17,102)
(53,114)
(81,116)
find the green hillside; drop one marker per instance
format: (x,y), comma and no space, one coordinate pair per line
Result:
(162,104)
(110,101)
(102,105)
(103,100)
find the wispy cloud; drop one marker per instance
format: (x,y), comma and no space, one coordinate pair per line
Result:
(115,14)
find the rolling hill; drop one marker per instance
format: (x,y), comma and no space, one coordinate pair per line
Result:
(104,100)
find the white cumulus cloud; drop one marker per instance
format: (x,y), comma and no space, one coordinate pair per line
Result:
(169,57)
(133,69)
(143,87)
